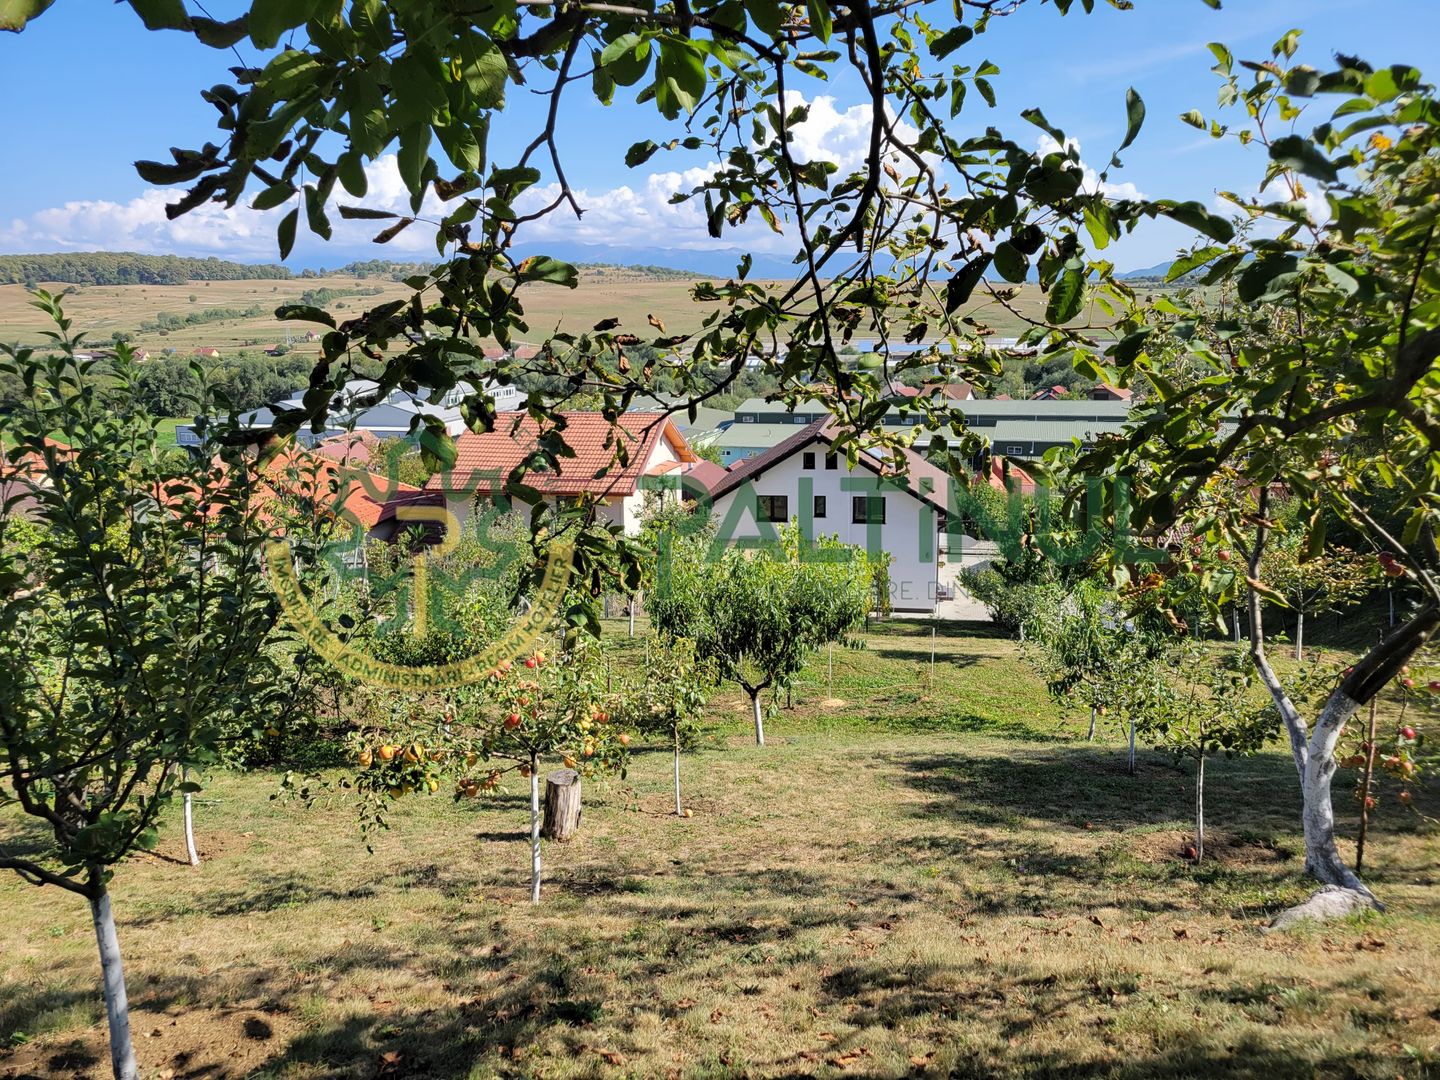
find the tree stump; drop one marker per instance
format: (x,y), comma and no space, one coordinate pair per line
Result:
(562,805)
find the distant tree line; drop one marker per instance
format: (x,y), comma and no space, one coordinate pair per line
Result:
(127,268)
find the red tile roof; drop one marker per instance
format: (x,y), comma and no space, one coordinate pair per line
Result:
(486,459)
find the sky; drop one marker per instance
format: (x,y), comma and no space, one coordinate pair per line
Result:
(87,91)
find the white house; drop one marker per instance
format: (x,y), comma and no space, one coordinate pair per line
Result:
(870,505)
(655,451)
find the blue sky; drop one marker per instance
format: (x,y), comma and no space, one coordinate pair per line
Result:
(89,90)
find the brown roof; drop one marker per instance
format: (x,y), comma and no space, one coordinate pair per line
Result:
(824,431)
(706,474)
(492,456)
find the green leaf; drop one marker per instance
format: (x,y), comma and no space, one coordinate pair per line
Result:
(951,40)
(1300,154)
(1011,264)
(1067,297)
(273,196)
(640,153)
(288,74)
(304,313)
(1135,116)
(960,287)
(162,14)
(485,71)
(364,213)
(1183,265)
(1128,348)
(1263,275)
(544,268)
(414,155)
(1100,223)
(626,59)
(1036,117)
(285,233)
(14,14)
(820,20)
(1199,218)
(271,18)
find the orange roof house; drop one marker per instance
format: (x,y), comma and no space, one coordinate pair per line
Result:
(651,443)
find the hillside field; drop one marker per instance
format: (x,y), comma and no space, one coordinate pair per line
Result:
(928,873)
(631,296)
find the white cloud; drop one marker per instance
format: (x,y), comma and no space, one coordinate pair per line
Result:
(634,215)
(1092,182)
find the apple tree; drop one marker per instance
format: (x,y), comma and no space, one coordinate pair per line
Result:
(134,620)
(758,615)
(1209,707)
(1309,373)
(667,698)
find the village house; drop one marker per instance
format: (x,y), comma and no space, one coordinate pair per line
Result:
(871,505)
(657,457)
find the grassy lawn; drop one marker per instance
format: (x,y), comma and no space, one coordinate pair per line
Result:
(935,876)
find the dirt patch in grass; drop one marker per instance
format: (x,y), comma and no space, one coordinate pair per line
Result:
(199,1043)
(211,843)
(1228,849)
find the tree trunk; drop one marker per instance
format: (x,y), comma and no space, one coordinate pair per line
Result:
(534,830)
(112,976)
(1365,788)
(759,720)
(1131,765)
(562,805)
(190,851)
(1300,632)
(1199,808)
(679,807)
(632,616)
(1091,736)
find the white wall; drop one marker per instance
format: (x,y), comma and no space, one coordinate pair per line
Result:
(910,533)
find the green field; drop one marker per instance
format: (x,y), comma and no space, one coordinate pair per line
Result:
(927,873)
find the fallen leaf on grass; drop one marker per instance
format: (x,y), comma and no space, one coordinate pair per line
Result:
(612,1057)
(1096,920)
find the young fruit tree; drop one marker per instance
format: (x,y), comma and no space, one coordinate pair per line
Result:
(1209,708)
(1334,579)
(531,711)
(757,615)
(1074,640)
(1305,369)
(667,698)
(133,626)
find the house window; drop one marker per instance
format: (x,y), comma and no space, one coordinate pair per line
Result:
(773,507)
(807,460)
(819,506)
(830,461)
(746,418)
(867,510)
(1013,449)
(801,418)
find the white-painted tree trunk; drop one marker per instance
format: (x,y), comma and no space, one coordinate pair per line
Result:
(112,976)
(632,616)
(1300,633)
(679,806)
(1091,736)
(534,830)
(1199,808)
(1131,764)
(190,852)
(759,720)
